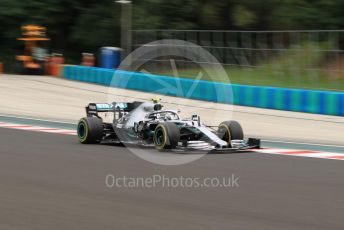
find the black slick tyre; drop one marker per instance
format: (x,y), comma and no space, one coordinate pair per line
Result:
(230,130)
(90,130)
(166,136)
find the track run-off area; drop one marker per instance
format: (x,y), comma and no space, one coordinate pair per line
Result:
(50,181)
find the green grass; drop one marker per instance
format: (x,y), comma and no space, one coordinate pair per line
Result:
(302,66)
(264,77)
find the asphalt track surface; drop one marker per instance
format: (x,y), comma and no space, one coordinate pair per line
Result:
(50,181)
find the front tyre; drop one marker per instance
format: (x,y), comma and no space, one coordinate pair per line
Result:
(90,130)
(166,136)
(230,130)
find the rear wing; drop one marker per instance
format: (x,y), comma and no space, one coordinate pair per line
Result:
(95,108)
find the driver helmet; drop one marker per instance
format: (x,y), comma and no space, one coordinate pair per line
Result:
(168,117)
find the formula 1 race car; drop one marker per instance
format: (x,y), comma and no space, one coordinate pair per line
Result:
(147,124)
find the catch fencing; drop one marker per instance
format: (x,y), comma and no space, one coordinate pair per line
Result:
(306,59)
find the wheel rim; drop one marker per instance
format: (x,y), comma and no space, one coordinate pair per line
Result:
(82,130)
(159,137)
(224,133)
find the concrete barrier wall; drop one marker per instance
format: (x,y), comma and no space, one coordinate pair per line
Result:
(309,101)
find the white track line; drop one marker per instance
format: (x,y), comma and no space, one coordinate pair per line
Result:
(302,153)
(37,128)
(277,151)
(304,143)
(35,119)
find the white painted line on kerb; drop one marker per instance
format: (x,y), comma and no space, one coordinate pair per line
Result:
(304,143)
(302,153)
(277,151)
(35,119)
(37,128)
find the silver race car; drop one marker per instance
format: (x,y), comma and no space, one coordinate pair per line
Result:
(148,124)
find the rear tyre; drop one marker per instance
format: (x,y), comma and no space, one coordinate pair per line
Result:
(230,130)
(90,130)
(166,136)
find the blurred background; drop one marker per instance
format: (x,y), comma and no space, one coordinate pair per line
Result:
(286,43)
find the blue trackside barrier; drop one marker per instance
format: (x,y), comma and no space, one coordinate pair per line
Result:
(298,100)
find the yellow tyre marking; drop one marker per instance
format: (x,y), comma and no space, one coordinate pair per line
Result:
(228,130)
(165,138)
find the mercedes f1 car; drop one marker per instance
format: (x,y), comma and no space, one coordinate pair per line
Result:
(148,124)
